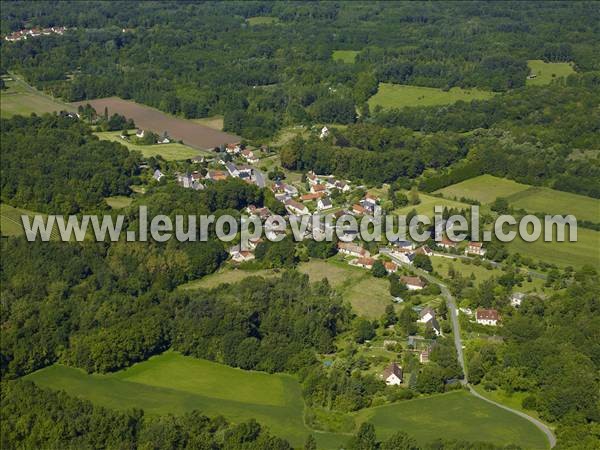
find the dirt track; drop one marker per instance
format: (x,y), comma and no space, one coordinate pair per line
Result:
(147,118)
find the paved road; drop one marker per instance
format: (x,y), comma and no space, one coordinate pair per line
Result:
(459,350)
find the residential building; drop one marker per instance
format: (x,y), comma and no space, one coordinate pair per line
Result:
(487,317)
(158,175)
(392,375)
(365,262)
(348,248)
(516,299)
(413,283)
(324,204)
(475,248)
(295,207)
(390,267)
(427,314)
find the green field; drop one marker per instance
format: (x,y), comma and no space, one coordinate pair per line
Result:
(118,201)
(399,95)
(170,152)
(261,20)
(20,98)
(11,224)
(546,72)
(428,202)
(347,56)
(484,188)
(172,383)
(576,254)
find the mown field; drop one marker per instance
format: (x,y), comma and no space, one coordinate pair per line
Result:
(398,96)
(428,203)
(172,383)
(546,72)
(170,152)
(347,56)
(20,98)
(484,189)
(11,223)
(118,201)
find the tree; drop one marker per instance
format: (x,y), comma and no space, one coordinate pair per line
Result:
(311,443)
(389,317)
(363,330)
(414,196)
(399,441)
(378,270)
(431,379)
(364,439)
(397,288)
(423,261)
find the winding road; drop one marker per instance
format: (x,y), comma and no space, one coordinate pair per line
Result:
(451,303)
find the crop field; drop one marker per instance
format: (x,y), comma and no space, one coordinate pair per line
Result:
(456,415)
(347,56)
(172,383)
(546,72)
(262,20)
(20,98)
(171,152)
(484,188)
(399,95)
(147,118)
(576,254)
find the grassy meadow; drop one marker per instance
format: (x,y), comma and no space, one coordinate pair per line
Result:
(171,152)
(427,204)
(21,99)
(546,72)
(261,20)
(214,122)
(173,383)
(11,224)
(118,201)
(399,95)
(484,188)
(346,56)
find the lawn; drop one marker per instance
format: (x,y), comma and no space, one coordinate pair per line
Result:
(11,224)
(576,254)
(172,383)
(428,202)
(456,415)
(118,201)
(170,152)
(546,72)
(399,95)
(346,56)
(484,188)
(545,200)
(20,98)
(261,20)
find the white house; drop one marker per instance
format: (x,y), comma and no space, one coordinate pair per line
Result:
(487,317)
(516,299)
(405,257)
(348,248)
(295,207)
(426,315)
(139,133)
(158,175)
(249,156)
(324,133)
(324,203)
(475,248)
(392,375)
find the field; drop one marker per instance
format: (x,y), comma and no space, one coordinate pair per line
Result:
(172,383)
(347,56)
(484,188)
(171,152)
(398,96)
(261,20)
(214,122)
(118,201)
(147,118)
(576,254)
(11,224)
(20,98)
(546,72)
(428,202)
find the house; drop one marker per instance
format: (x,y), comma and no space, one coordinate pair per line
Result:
(295,207)
(185,180)
(370,199)
(197,159)
(158,175)
(424,355)
(311,197)
(359,210)
(392,375)
(390,267)
(487,317)
(516,299)
(249,156)
(324,203)
(475,248)
(324,133)
(365,262)
(233,149)
(426,315)
(342,186)
(315,188)
(216,175)
(446,243)
(348,248)
(413,283)
(424,250)
(164,139)
(263,213)
(312,178)
(403,245)
(242,256)
(139,133)
(435,326)
(405,257)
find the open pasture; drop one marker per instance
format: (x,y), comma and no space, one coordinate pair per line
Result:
(484,188)
(546,72)
(21,99)
(392,95)
(171,152)
(346,56)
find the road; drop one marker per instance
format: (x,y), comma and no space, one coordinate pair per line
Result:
(450,301)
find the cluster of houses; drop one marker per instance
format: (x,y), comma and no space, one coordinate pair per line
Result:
(22,35)
(164,139)
(367,205)
(190,181)
(472,248)
(236,149)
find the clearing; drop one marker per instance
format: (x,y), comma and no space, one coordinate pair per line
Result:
(400,95)
(118,201)
(20,98)
(173,383)
(428,203)
(546,72)
(346,56)
(484,188)
(171,152)
(11,224)
(147,118)
(261,20)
